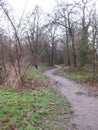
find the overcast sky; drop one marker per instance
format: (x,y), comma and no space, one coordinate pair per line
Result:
(46,5)
(18,5)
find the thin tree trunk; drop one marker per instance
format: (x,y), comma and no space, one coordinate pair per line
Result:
(94,54)
(68,57)
(74,53)
(52,56)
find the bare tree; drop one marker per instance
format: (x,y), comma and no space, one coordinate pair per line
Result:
(17,65)
(65,16)
(93,37)
(85,12)
(33,32)
(52,37)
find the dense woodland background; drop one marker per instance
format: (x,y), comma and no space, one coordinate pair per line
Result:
(69,35)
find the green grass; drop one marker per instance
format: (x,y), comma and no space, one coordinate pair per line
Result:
(74,76)
(32,111)
(80,75)
(35,74)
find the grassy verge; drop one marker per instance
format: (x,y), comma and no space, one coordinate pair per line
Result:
(73,74)
(35,74)
(33,111)
(81,75)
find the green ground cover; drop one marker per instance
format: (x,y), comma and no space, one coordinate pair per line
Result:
(35,110)
(81,75)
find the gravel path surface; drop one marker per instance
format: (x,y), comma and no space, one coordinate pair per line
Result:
(85,105)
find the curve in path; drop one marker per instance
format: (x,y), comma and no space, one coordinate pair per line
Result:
(85,107)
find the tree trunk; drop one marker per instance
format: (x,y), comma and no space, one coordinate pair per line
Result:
(52,56)
(74,52)
(36,66)
(68,57)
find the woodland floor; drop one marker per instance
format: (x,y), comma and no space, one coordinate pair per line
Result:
(38,107)
(56,103)
(84,101)
(83,75)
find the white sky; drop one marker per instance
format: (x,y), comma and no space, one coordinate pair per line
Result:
(46,5)
(18,5)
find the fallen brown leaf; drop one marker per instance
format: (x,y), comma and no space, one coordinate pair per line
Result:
(33,123)
(47,121)
(13,127)
(27,114)
(34,110)
(40,129)
(5,121)
(51,103)
(10,115)
(1,106)
(23,126)
(1,124)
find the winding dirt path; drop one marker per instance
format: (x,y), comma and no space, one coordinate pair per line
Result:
(85,106)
